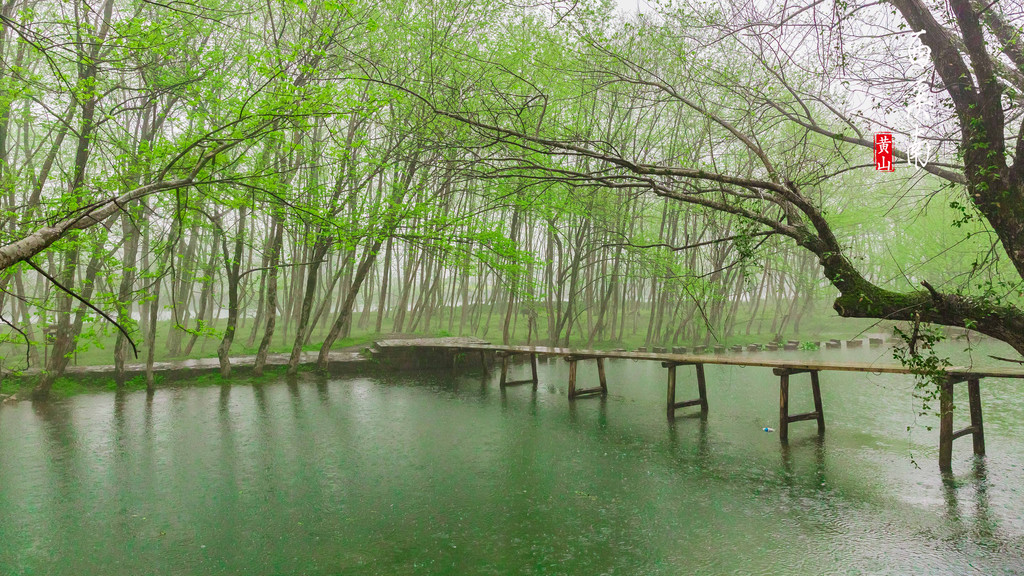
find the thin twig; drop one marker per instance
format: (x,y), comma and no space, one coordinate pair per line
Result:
(28,343)
(251,270)
(689,246)
(86,302)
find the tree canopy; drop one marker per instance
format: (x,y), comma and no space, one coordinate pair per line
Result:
(208,163)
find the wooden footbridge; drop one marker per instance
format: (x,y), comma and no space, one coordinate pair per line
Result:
(783,368)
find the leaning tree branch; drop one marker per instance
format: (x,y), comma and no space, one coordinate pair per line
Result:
(251,270)
(1009,37)
(92,214)
(41,239)
(688,246)
(812,126)
(858,297)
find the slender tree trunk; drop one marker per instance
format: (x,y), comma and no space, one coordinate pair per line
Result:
(385,284)
(510,304)
(233,264)
(319,251)
(131,248)
(268,331)
(344,319)
(204,312)
(180,297)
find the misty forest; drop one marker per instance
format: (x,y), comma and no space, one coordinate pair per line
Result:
(260,185)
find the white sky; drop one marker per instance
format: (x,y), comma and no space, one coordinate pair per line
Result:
(632,6)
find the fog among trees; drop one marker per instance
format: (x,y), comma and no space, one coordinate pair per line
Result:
(192,179)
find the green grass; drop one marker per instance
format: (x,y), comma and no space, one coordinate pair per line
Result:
(98,350)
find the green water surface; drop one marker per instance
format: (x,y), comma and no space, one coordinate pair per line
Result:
(447,474)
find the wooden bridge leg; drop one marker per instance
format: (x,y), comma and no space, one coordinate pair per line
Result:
(504,370)
(575,392)
(671,404)
(974,393)
(506,359)
(671,390)
(816,390)
(784,407)
(572,379)
(483,361)
(701,388)
(946,426)
(946,433)
(785,418)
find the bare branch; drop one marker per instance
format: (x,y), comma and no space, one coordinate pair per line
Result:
(84,301)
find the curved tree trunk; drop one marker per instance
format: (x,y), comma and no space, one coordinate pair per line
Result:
(344,320)
(319,251)
(233,264)
(124,294)
(268,331)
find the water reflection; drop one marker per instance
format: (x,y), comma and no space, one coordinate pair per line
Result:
(322,392)
(425,475)
(292,381)
(260,396)
(801,447)
(580,407)
(517,394)
(984,525)
(682,426)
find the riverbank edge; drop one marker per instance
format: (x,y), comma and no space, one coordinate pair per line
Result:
(396,352)
(194,372)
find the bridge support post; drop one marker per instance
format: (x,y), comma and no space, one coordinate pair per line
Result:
(974,393)
(601,390)
(505,357)
(816,391)
(702,392)
(946,433)
(483,362)
(784,417)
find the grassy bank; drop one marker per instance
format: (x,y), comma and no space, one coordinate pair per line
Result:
(95,347)
(97,344)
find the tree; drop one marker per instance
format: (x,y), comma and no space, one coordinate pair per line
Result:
(130,100)
(781,141)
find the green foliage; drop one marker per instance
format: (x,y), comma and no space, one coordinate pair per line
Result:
(917,353)
(335,122)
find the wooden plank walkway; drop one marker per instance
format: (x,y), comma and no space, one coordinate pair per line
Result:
(781,367)
(731,359)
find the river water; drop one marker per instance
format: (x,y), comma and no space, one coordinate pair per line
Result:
(447,474)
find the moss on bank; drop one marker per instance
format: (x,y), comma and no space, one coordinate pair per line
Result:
(75,384)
